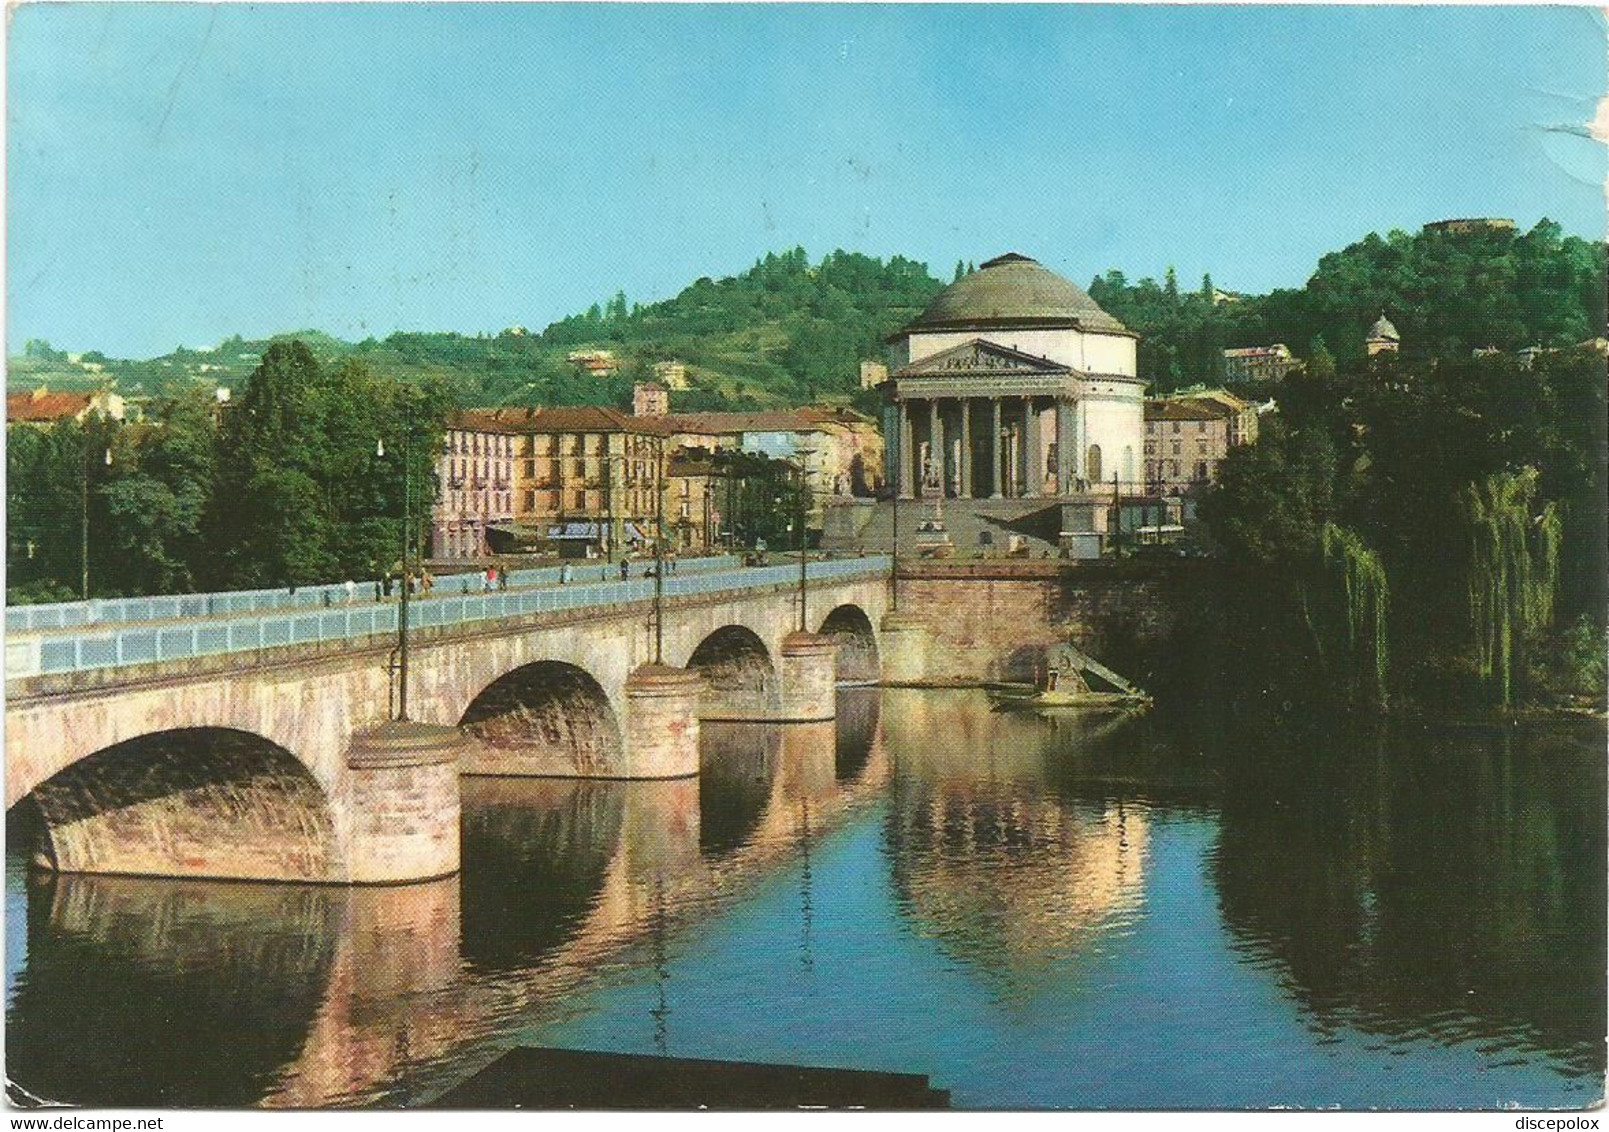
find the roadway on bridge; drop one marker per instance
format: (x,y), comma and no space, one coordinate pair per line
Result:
(88,648)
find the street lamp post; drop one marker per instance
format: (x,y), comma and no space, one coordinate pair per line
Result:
(894,555)
(407,576)
(804,556)
(659,556)
(83,548)
(609,459)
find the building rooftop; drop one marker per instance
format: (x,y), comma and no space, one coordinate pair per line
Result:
(1277,350)
(1384,330)
(42,405)
(580,418)
(1013,291)
(1189,409)
(807,419)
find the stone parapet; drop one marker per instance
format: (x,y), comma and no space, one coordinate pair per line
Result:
(809,671)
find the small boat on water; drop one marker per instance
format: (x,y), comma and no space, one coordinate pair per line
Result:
(1064,682)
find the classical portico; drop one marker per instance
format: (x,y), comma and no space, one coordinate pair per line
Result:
(1014,384)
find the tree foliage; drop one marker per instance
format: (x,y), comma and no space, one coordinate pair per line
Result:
(1448,294)
(282,487)
(1470,490)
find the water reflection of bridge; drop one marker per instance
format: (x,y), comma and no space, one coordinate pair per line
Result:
(142,991)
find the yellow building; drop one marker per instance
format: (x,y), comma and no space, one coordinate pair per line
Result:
(693,499)
(1185,440)
(842,449)
(583,477)
(1241,414)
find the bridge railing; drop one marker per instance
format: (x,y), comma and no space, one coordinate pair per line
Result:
(152,644)
(181,607)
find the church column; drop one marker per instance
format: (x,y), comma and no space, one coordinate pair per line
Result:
(1033,457)
(935,442)
(1080,440)
(903,486)
(995,446)
(1066,446)
(966,448)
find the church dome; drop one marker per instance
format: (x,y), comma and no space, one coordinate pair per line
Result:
(1014,291)
(1383,331)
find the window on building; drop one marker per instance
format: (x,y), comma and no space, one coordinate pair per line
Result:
(581,500)
(1175,426)
(1175,447)
(530,501)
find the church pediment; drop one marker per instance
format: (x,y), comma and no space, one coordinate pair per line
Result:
(980,356)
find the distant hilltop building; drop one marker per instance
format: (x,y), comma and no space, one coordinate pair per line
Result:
(1258,363)
(1221,297)
(1014,383)
(649,399)
(1383,337)
(599,363)
(872,374)
(1465,225)
(671,374)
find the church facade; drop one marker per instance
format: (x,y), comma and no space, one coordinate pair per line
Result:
(1013,383)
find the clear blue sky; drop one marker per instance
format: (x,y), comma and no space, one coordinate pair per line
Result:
(179,173)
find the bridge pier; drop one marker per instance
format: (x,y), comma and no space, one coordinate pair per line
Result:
(401,804)
(809,672)
(661,722)
(904,648)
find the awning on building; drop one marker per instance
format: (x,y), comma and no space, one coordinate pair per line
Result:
(574,531)
(633,531)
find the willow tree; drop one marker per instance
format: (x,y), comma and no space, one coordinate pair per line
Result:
(1357,585)
(1513,573)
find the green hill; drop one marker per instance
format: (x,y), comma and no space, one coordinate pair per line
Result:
(784,332)
(787,331)
(1448,293)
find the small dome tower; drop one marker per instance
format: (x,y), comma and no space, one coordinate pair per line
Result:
(1383,337)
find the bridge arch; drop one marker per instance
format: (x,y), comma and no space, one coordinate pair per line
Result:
(851,630)
(189,802)
(549,717)
(740,678)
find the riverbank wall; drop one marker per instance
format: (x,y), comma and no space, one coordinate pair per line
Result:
(992,621)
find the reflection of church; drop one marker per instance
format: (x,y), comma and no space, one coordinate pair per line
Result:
(1013,383)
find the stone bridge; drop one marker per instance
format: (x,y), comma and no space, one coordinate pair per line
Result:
(363,995)
(281,763)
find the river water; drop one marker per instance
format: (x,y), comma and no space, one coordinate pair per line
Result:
(1085,912)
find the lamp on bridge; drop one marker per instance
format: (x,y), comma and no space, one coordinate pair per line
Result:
(84,530)
(611,517)
(802,467)
(401,665)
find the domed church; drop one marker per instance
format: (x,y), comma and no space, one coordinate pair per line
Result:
(1013,383)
